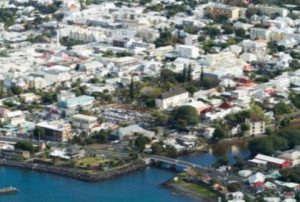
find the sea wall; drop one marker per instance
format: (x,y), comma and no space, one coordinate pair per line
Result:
(76,174)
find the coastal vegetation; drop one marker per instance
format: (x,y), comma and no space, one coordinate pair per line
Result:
(284,139)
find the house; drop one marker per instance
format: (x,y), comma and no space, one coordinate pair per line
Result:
(129,131)
(57,131)
(208,132)
(15,118)
(235,196)
(72,152)
(172,99)
(29,97)
(84,122)
(256,178)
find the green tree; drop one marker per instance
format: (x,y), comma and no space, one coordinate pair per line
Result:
(16,90)
(185,113)
(26,146)
(165,39)
(140,142)
(240,33)
(131,89)
(261,145)
(211,31)
(156,148)
(189,76)
(219,133)
(291,135)
(39,133)
(282,108)
(228,29)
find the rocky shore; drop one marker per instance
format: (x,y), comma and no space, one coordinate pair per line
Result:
(76,174)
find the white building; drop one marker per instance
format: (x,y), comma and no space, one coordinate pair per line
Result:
(187,51)
(85,122)
(256,127)
(172,99)
(4,3)
(272,10)
(15,117)
(259,33)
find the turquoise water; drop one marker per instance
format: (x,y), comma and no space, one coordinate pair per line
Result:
(141,186)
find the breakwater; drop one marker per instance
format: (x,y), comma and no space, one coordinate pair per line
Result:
(77,174)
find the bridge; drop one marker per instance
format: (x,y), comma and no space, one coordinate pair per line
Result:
(155,158)
(177,162)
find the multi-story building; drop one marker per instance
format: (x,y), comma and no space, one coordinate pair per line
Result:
(259,33)
(272,10)
(172,99)
(218,9)
(256,127)
(85,34)
(84,122)
(187,51)
(57,131)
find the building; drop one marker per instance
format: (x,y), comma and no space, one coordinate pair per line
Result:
(272,10)
(11,154)
(15,118)
(57,131)
(256,127)
(217,9)
(186,51)
(172,99)
(259,33)
(270,162)
(84,122)
(130,131)
(81,101)
(4,3)
(85,34)
(292,155)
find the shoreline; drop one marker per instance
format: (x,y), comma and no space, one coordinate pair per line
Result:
(75,174)
(179,189)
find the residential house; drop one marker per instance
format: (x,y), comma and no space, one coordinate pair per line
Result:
(130,131)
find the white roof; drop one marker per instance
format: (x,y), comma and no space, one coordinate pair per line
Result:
(257,177)
(14,113)
(269,159)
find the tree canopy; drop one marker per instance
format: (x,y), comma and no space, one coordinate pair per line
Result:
(185,115)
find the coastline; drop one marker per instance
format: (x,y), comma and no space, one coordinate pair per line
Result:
(76,174)
(178,188)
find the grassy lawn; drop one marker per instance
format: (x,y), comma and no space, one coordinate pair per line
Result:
(92,161)
(201,190)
